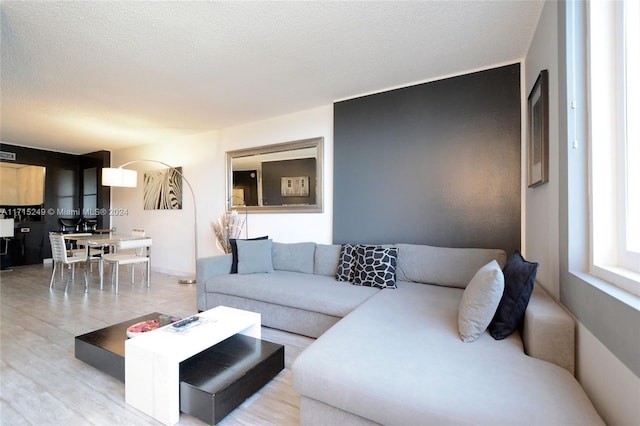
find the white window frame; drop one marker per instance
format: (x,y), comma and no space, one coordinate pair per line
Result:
(631,21)
(613,184)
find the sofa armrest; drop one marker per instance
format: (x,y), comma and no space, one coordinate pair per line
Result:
(549,331)
(210,267)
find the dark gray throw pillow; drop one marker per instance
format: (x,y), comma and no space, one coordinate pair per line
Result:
(234,251)
(519,279)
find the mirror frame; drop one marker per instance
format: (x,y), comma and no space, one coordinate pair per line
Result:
(317,143)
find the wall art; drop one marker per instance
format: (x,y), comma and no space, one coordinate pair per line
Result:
(538,137)
(163,189)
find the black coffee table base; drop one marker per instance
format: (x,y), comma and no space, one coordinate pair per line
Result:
(104,348)
(212,383)
(216,381)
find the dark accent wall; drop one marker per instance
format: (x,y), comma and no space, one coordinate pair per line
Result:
(62,192)
(436,163)
(274,171)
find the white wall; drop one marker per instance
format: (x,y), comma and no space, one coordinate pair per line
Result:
(541,204)
(172,230)
(612,387)
(291,227)
(202,158)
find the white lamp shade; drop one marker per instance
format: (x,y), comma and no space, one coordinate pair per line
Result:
(119,177)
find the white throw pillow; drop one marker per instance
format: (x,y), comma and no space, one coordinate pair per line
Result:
(480,301)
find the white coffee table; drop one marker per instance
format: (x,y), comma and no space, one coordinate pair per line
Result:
(152,360)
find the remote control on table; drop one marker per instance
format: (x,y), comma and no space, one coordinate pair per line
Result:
(185,321)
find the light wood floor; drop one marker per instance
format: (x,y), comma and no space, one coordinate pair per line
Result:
(43,384)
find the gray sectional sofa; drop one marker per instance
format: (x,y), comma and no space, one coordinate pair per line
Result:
(394,356)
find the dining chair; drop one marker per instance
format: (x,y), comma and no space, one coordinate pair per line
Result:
(136,233)
(69,225)
(141,254)
(78,247)
(79,243)
(62,257)
(72,250)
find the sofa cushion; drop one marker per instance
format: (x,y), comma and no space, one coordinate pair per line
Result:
(254,256)
(451,267)
(294,257)
(314,293)
(346,263)
(326,259)
(234,252)
(480,301)
(375,266)
(519,279)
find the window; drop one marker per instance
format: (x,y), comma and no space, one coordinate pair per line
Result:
(632,82)
(614,70)
(90,192)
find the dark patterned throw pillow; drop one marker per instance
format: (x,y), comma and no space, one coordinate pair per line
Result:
(375,266)
(346,263)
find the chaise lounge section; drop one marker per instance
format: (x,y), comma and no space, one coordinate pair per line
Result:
(394,355)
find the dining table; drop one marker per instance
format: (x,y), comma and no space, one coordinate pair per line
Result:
(100,240)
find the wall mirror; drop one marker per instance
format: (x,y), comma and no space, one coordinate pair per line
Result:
(279,178)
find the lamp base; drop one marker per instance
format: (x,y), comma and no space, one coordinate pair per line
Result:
(187,281)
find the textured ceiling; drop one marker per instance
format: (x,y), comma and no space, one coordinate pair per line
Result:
(83,76)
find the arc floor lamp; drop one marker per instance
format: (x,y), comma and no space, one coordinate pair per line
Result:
(121,177)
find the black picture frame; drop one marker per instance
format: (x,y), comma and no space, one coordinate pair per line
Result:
(538,132)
